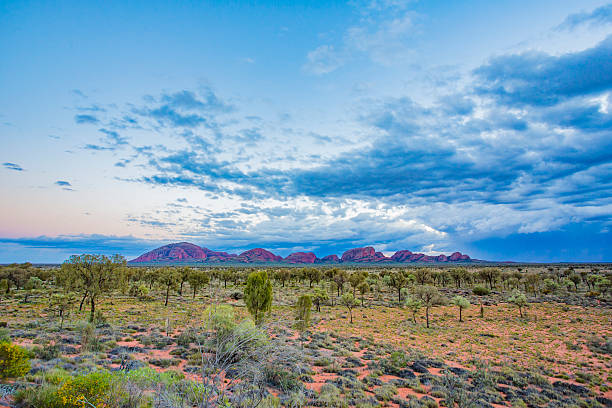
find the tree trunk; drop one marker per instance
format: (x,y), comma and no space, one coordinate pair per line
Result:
(481,310)
(521,311)
(399,295)
(460,317)
(351,314)
(194,292)
(93,309)
(83,301)
(167,295)
(181,289)
(427,316)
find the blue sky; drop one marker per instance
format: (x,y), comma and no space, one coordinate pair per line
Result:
(478,126)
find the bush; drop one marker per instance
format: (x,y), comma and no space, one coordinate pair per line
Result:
(14,360)
(89,340)
(385,392)
(93,388)
(302,312)
(481,291)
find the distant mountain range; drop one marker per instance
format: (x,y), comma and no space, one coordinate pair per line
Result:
(186,252)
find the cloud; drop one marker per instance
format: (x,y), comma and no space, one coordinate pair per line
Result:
(59,248)
(86,119)
(323,60)
(186,109)
(12,166)
(382,35)
(599,16)
(540,79)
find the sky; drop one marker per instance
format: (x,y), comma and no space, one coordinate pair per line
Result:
(475,126)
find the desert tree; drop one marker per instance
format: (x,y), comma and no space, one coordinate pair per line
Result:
(348,301)
(489,275)
(430,297)
(198,279)
(31,286)
(226,275)
(258,295)
(461,303)
(340,277)
(184,273)
(319,296)
(169,279)
(363,289)
(532,282)
(396,280)
(355,280)
(414,305)
(422,276)
(314,275)
(575,279)
(481,291)
(60,303)
(92,275)
(302,312)
(458,275)
(282,275)
(151,276)
(518,299)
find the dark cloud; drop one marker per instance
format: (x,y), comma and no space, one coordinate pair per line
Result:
(86,119)
(601,15)
(12,166)
(57,249)
(186,109)
(540,79)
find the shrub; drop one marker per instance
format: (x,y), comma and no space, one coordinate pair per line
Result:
(386,392)
(89,340)
(481,291)
(14,360)
(302,312)
(92,388)
(258,295)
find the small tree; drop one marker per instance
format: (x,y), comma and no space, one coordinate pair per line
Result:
(258,295)
(363,288)
(396,280)
(481,291)
(302,312)
(319,297)
(348,300)
(61,303)
(32,285)
(14,360)
(430,297)
(461,303)
(198,279)
(184,274)
(518,299)
(92,275)
(355,280)
(169,279)
(339,278)
(314,275)
(414,305)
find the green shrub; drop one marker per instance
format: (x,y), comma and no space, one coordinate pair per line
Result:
(93,388)
(481,291)
(302,312)
(14,360)
(386,392)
